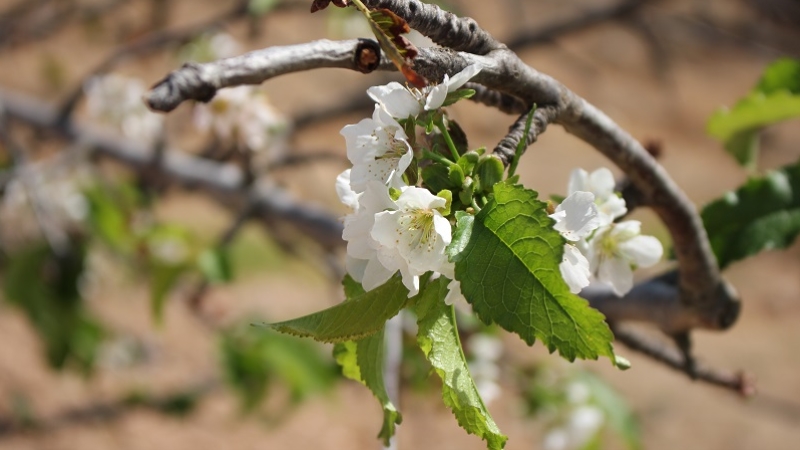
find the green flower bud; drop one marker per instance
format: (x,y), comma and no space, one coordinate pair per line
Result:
(490,171)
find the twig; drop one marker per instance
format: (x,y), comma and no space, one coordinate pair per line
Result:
(223,181)
(738,382)
(582,22)
(506,148)
(292,160)
(147,44)
(56,238)
(201,81)
(104,412)
(444,28)
(495,99)
(51,23)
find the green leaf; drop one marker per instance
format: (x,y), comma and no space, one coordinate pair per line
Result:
(360,316)
(44,286)
(169,258)
(743,146)
(776,97)
(215,264)
(762,214)
(362,361)
(783,74)
(438,339)
(509,273)
(752,112)
(254,358)
(110,212)
(461,235)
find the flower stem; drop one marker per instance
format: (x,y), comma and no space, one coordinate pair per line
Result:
(436,157)
(447,139)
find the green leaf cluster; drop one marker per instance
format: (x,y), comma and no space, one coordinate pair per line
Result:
(775,98)
(763,214)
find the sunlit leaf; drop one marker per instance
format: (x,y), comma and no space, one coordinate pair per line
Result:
(762,214)
(254,358)
(438,339)
(358,317)
(362,361)
(775,98)
(509,273)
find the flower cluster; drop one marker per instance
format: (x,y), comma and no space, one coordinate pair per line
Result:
(395,226)
(597,246)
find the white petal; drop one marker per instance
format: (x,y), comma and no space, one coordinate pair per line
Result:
(436,96)
(602,183)
(355,267)
(375,274)
(579,218)
(642,251)
(577,181)
(617,273)
(611,208)
(462,77)
(396,99)
(411,282)
(574,269)
(419,198)
(345,193)
(626,230)
(443,228)
(454,294)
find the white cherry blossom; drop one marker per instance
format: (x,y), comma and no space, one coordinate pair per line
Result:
(413,237)
(600,183)
(403,102)
(243,116)
(379,150)
(362,262)
(617,249)
(576,217)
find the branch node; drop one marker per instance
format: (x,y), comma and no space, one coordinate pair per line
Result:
(367,56)
(184,84)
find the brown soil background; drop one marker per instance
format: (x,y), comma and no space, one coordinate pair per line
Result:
(610,66)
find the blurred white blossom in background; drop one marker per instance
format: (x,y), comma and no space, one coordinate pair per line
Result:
(117,101)
(244,118)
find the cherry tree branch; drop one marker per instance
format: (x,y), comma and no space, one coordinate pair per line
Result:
(224,182)
(581,22)
(738,382)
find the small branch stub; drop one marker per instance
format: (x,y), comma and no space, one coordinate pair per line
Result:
(317,5)
(367,56)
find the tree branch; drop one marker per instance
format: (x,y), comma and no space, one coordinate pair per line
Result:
(201,81)
(738,382)
(582,22)
(225,182)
